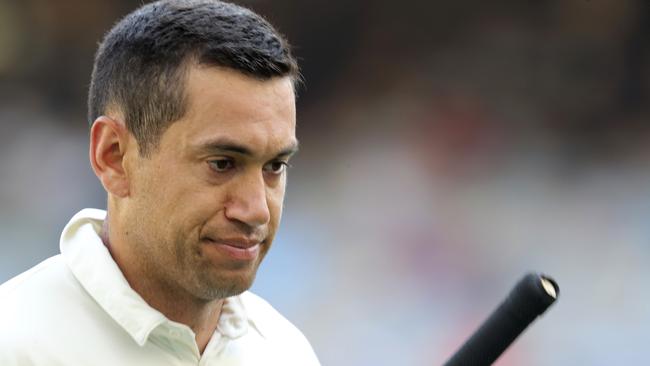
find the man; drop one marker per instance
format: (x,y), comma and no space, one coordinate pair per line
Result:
(192,112)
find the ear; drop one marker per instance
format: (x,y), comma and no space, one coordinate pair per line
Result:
(109,140)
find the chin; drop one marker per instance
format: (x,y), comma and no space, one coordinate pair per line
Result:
(225,286)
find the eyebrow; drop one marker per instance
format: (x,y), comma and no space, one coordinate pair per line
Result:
(223,145)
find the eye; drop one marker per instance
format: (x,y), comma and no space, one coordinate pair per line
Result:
(221,165)
(276,167)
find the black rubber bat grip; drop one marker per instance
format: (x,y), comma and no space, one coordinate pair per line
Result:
(530,297)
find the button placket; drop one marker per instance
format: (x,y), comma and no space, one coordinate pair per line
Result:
(214,348)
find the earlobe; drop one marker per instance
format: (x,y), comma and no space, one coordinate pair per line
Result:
(108,145)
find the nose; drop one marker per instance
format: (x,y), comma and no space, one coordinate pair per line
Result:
(248,201)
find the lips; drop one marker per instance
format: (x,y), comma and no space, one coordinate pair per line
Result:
(235,242)
(235,248)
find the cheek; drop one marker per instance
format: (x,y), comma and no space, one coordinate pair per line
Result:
(161,199)
(197,206)
(275,202)
(142,201)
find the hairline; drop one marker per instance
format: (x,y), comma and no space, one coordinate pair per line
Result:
(115,110)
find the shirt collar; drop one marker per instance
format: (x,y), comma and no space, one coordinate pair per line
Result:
(233,321)
(94,267)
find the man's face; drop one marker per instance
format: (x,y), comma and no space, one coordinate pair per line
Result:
(204,208)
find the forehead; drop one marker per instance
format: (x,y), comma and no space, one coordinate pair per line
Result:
(225,104)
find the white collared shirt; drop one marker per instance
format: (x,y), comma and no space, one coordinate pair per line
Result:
(77,308)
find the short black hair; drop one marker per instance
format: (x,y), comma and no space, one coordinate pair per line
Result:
(140,66)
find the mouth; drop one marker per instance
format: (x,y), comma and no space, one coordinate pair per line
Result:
(244,250)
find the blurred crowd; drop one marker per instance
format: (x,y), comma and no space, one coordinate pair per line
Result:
(446,149)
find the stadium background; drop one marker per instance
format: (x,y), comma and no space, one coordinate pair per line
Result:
(446,149)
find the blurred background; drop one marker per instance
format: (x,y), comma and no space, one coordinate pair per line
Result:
(447,147)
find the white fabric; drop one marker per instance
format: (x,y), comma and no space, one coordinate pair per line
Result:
(77,308)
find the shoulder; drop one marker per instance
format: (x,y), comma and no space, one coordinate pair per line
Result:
(276,329)
(38,292)
(20,299)
(33,281)
(37,304)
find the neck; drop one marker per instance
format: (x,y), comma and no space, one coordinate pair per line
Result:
(175,303)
